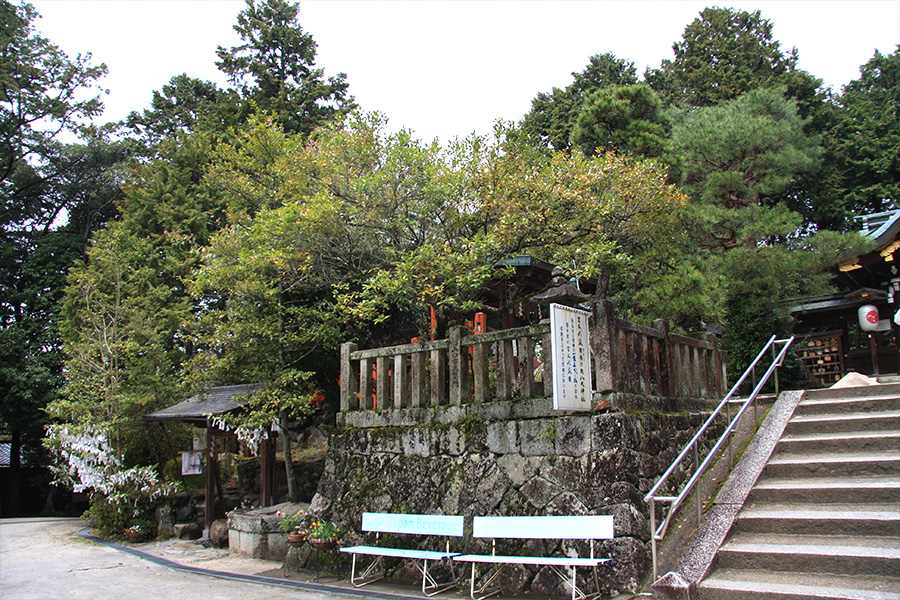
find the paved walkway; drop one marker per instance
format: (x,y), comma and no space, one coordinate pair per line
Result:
(48,559)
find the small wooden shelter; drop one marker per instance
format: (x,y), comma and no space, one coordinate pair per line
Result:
(830,341)
(201,411)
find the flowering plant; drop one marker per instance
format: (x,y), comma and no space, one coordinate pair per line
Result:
(323,530)
(292,522)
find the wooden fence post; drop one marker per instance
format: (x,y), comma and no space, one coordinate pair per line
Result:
(417,379)
(457,360)
(349,380)
(602,339)
(666,383)
(401,381)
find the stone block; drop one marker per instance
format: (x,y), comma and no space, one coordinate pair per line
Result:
(615,430)
(417,441)
(448,415)
(539,492)
(494,411)
(451,442)
(573,436)
(502,437)
(532,408)
(537,437)
(518,468)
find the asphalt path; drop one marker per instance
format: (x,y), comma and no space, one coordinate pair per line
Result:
(46,559)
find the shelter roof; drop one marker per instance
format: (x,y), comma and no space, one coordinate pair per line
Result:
(214,401)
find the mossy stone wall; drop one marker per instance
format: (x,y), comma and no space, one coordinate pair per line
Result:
(506,458)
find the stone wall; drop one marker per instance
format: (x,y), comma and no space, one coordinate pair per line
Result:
(506,458)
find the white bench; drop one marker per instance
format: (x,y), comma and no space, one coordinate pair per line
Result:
(440,525)
(587,527)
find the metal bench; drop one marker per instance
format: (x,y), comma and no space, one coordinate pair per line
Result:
(441,525)
(588,527)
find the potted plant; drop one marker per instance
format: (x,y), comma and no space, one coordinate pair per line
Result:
(135,533)
(294,526)
(323,535)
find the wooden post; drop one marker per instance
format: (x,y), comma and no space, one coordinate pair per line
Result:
(438,377)
(401,381)
(365,384)
(349,380)
(210,492)
(525,379)
(666,385)
(602,339)
(504,369)
(457,361)
(417,379)
(382,382)
(266,473)
(480,374)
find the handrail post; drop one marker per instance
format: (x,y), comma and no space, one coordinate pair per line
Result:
(696,469)
(653,533)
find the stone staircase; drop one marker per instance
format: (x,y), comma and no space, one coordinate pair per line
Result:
(823,519)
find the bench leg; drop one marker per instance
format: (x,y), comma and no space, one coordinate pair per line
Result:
(484,591)
(366,577)
(430,586)
(577,593)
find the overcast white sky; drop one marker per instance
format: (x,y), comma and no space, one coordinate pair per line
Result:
(447,68)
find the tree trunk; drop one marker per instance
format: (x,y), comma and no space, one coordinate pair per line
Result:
(288,463)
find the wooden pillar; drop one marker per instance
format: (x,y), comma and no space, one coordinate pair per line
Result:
(266,473)
(480,372)
(365,384)
(417,379)
(458,363)
(438,377)
(546,347)
(349,380)
(505,369)
(666,385)
(525,379)
(382,382)
(210,492)
(401,381)
(602,343)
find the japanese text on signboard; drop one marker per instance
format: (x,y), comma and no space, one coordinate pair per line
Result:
(571,358)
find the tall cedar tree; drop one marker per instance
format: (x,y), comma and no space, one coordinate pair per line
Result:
(867,137)
(275,70)
(43,184)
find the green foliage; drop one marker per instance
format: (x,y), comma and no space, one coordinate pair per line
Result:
(292,521)
(724,53)
(736,159)
(553,115)
(42,92)
(185,105)
(274,69)
(622,119)
(867,135)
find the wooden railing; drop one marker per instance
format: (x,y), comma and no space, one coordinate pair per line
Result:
(501,365)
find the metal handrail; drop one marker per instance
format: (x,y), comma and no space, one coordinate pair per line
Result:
(700,467)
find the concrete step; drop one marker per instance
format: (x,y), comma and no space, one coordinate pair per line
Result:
(820,519)
(876,403)
(827,490)
(838,555)
(863,391)
(833,464)
(729,584)
(844,422)
(869,441)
